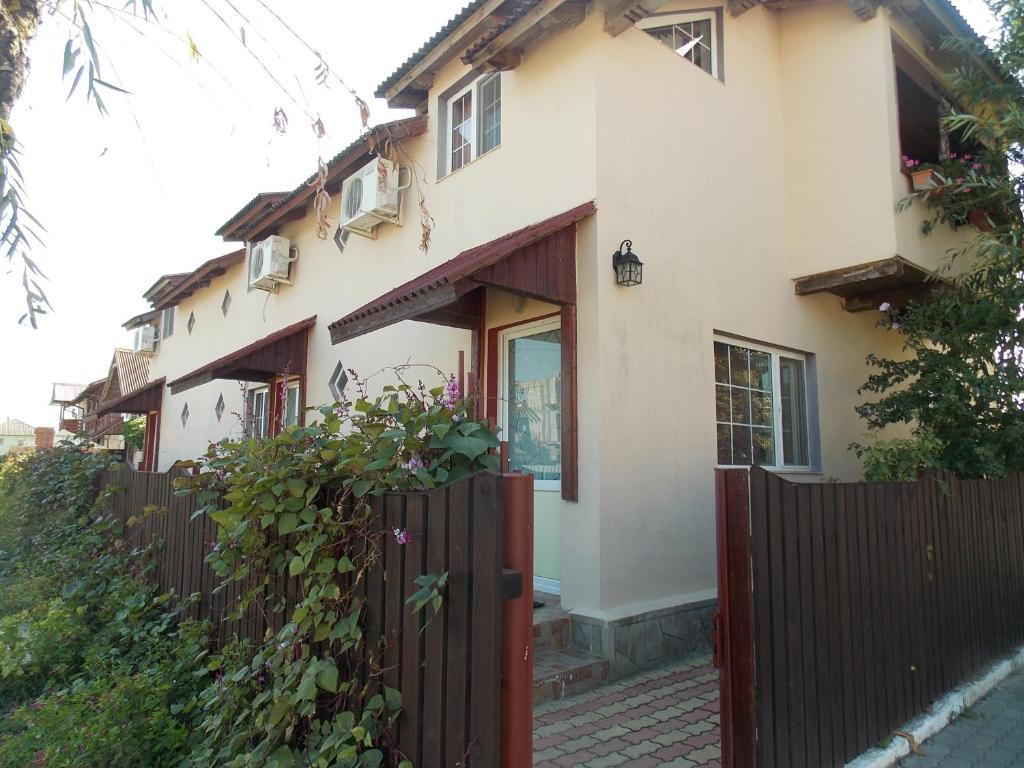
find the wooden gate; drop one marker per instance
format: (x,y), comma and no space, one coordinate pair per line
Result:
(847,609)
(449,669)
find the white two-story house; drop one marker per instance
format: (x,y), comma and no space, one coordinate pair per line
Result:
(750,154)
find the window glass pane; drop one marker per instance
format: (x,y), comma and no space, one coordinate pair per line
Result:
(724,444)
(723,400)
(257,416)
(291,407)
(490,113)
(761,371)
(793,399)
(763,446)
(167,323)
(741,453)
(739,366)
(462,131)
(721,363)
(534,405)
(693,40)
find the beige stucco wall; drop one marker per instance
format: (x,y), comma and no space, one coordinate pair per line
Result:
(728,190)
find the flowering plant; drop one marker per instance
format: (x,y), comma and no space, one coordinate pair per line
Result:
(961,189)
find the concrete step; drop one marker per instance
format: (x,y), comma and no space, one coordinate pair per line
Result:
(561,672)
(551,630)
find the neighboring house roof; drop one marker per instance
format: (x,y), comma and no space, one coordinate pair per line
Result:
(142,319)
(163,284)
(65,394)
(129,371)
(250,224)
(258,205)
(16,428)
(142,400)
(91,391)
(196,279)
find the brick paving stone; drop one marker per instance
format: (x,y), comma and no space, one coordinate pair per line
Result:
(989,735)
(666,717)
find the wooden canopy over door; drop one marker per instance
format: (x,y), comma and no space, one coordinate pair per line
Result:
(144,401)
(538,261)
(282,352)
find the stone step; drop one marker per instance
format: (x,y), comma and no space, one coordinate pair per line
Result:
(551,630)
(561,672)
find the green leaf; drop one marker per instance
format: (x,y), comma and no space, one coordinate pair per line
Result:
(361,487)
(371,758)
(392,698)
(441,429)
(328,678)
(296,486)
(307,688)
(267,520)
(289,522)
(296,566)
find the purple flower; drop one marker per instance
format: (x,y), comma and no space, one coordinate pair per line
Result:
(452,393)
(885,306)
(402,535)
(414,463)
(976,166)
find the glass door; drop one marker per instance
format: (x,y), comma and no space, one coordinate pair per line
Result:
(531,421)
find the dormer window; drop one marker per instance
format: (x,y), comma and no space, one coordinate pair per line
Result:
(473,121)
(694,36)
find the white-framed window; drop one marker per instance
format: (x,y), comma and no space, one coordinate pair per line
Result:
(167,323)
(291,404)
(761,406)
(694,36)
(257,412)
(531,401)
(474,121)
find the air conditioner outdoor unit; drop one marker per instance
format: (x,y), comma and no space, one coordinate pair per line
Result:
(269,262)
(145,338)
(371,196)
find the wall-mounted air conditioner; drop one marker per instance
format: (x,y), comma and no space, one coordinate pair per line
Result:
(269,263)
(145,338)
(371,196)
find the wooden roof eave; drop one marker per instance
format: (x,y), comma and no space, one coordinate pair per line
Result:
(866,286)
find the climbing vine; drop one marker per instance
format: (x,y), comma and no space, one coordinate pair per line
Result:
(294,512)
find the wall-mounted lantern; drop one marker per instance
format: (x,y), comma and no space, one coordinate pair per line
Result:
(629,270)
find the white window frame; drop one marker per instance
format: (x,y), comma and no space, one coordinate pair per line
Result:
(264,419)
(476,124)
(168,312)
(295,385)
(776,353)
(504,337)
(670,19)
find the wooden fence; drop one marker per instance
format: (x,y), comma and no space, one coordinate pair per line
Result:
(864,603)
(449,672)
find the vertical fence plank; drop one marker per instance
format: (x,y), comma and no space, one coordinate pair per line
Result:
(767,684)
(411,678)
(460,630)
(434,657)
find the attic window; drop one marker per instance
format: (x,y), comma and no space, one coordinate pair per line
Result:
(338,381)
(225,303)
(191,322)
(219,408)
(184,415)
(694,36)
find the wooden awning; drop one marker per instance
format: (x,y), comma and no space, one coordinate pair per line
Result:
(143,400)
(866,286)
(538,261)
(281,352)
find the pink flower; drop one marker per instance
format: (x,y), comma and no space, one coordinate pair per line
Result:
(402,535)
(976,166)
(885,306)
(452,392)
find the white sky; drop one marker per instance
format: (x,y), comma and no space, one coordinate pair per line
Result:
(139,193)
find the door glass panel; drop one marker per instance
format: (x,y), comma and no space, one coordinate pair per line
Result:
(535,405)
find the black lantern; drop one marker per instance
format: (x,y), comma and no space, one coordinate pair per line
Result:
(629,270)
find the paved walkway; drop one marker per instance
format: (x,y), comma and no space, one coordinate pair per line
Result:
(988,735)
(668,717)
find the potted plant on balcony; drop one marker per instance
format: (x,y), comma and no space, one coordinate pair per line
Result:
(955,189)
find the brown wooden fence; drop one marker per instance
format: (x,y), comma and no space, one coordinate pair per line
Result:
(867,602)
(449,672)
